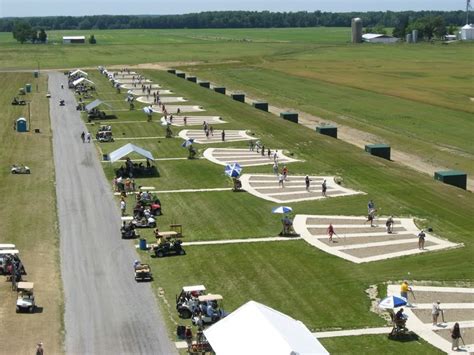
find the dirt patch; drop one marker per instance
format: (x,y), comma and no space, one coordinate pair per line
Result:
(444,297)
(450,315)
(386,249)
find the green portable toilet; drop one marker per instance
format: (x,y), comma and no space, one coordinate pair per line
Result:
(261,105)
(219,89)
(192,79)
(171,71)
(36,74)
(181,75)
(327,130)
(21,125)
(452,177)
(379,150)
(205,84)
(28,88)
(238,97)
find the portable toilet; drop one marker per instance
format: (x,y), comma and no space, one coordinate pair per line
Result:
(28,87)
(21,125)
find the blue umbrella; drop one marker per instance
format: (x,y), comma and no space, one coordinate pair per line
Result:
(187,143)
(393,302)
(282,209)
(233,170)
(148,110)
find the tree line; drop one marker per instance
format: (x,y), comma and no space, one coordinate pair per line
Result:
(231,19)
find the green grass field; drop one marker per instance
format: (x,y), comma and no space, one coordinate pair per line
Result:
(28,215)
(416,98)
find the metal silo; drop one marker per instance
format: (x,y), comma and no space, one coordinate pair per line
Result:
(409,38)
(414,36)
(356,25)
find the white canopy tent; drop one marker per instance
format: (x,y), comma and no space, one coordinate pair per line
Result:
(255,329)
(127,149)
(79,72)
(82,80)
(95,104)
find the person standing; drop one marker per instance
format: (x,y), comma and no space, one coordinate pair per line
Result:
(39,349)
(285,172)
(83,136)
(275,168)
(251,146)
(223,135)
(211,130)
(275,156)
(263,150)
(281,179)
(307,182)
(188,335)
(455,335)
(421,240)
(370,206)
(324,188)
(330,232)
(370,217)
(404,289)
(389,224)
(185,120)
(88,137)
(435,311)
(123,206)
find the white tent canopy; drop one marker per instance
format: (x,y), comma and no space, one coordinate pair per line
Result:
(96,103)
(126,150)
(80,80)
(78,72)
(255,329)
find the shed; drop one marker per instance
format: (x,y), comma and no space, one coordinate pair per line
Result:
(238,97)
(74,39)
(379,150)
(191,78)
(289,116)
(21,125)
(126,150)
(378,38)
(260,105)
(452,177)
(255,329)
(327,130)
(467,32)
(205,84)
(219,89)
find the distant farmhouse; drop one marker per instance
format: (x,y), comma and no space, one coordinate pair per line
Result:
(378,38)
(74,39)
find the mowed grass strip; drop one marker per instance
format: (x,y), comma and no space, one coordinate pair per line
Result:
(28,215)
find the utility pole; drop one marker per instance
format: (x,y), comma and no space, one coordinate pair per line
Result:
(468,5)
(29,116)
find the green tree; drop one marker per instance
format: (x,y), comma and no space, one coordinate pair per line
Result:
(42,36)
(452,29)
(22,31)
(92,40)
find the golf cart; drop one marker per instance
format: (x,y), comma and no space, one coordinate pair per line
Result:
(209,310)
(95,114)
(6,255)
(17,101)
(128,231)
(166,248)
(26,298)
(187,301)
(149,222)
(104,136)
(20,169)
(143,272)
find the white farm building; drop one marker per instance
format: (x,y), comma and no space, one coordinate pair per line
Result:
(378,38)
(74,39)
(467,33)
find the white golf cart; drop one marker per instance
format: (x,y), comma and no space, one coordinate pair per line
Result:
(210,310)
(4,254)
(188,300)
(26,298)
(20,169)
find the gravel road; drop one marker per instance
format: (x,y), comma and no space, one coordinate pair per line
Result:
(106,311)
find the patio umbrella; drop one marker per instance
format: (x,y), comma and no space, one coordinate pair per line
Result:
(393,302)
(282,209)
(233,170)
(130,92)
(187,143)
(148,110)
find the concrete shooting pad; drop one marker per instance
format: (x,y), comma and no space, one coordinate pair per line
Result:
(199,136)
(266,186)
(244,157)
(138,87)
(457,304)
(194,120)
(140,92)
(165,99)
(357,241)
(138,82)
(172,109)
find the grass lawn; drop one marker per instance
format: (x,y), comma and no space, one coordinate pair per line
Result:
(322,291)
(28,216)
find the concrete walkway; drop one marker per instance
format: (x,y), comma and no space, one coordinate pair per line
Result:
(106,310)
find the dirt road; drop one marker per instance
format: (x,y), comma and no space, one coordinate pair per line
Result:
(106,311)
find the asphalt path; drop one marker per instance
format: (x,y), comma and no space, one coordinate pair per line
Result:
(106,310)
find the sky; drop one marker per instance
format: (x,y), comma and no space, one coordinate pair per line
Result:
(24,8)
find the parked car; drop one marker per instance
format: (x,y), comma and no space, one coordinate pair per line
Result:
(20,169)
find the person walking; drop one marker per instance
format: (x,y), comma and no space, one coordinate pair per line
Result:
(389,225)
(275,168)
(83,136)
(185,120)
(455,335)
(263,150)
(275,156)
(123,207)
(370,206)
(307,182)
(281,179)
(211,130)
(435,312)
(324,188)
(223,135)
(251,146)
(370,217)
(330,232)
(421,240)
(285,172)
(88,137)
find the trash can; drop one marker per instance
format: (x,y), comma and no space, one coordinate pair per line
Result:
(105,157)
(142,244)
(28,87)
(35,74)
